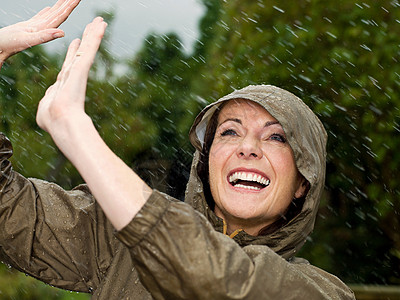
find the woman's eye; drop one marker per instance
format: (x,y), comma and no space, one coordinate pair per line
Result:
(278,137)
(228,132)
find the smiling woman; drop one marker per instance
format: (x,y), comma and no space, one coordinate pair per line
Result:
(252,173)
(267,134)
(251,201)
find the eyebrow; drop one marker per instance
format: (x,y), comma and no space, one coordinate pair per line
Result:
(231,119)
(268,123)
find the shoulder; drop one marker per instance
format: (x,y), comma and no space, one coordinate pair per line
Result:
(298,273)
(330,283)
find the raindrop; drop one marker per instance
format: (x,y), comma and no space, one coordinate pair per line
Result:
(278,9)
(365,47)
(252,20)
(375,109)
(359,6)
(374,82)
(340,107)
(331,35)
(305,78)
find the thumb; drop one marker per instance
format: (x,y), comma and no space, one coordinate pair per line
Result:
(45,36)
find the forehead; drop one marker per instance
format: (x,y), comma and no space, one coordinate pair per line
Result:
(244,109)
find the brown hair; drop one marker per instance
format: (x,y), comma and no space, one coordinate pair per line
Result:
(203,165)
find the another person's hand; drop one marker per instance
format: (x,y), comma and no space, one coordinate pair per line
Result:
(39,29)
(64,100)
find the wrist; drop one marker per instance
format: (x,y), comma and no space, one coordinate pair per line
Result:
(69,132)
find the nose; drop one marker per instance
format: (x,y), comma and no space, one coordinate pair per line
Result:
(249,148)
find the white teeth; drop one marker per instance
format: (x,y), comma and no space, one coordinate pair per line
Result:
(248,177)
(248,187)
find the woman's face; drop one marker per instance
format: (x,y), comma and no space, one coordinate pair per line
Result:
(252,172)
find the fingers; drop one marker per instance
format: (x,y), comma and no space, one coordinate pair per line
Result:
(43,36)
(61,90)
(52,17)
(69,58)
(81,54)
(71,53)
(91,40)
(41,13)
(42,28)
(68,92)
(60,12)
(92,36)
(72,49)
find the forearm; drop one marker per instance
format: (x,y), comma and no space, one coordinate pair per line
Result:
(120,191)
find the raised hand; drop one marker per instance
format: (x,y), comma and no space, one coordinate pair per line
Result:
(119,191)
(65,98)
(39,29)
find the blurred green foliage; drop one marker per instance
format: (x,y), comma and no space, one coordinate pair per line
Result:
(18,286)
(340,57)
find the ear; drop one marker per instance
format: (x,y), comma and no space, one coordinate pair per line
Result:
(302,189)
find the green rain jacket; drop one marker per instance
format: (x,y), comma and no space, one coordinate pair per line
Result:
(170,249)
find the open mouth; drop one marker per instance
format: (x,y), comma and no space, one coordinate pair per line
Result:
(249,181)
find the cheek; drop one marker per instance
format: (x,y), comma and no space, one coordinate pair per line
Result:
(286,167)
(218,159)
(218,148)
(283,161)
(214,162)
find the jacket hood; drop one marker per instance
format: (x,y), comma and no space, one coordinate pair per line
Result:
(306,136)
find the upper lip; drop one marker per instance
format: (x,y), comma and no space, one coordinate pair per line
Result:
(248,175)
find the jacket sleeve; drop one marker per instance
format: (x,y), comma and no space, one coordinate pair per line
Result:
(60,237)
(180,256)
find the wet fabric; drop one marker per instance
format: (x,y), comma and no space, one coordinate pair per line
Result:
(62,237)
(176,249)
